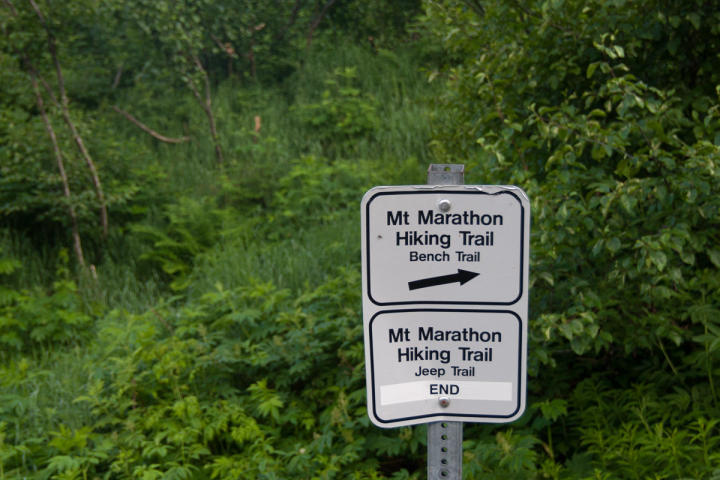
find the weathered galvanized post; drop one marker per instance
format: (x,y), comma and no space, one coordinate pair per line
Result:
(444,439)
(445,303)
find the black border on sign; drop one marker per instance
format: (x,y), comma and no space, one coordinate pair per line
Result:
(479,417)
(454,192)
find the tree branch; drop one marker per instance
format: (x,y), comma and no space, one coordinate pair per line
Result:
(77,244)
(147,129)
(225,47)
(118,75)
(206,105)
(228,49)
(293,18)
(10,7)
(316,21)
(52,47)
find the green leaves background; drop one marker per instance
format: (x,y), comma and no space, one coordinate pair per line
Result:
(218,332)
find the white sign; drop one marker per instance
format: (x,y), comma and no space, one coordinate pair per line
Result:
(445,272)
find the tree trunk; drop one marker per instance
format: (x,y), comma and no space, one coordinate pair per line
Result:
(147,129)
(71,125)
(316,21)
(206,105)
(77,244)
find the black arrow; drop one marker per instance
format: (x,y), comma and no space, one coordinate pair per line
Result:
(462,276)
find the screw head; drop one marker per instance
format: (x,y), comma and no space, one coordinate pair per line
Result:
(444,401)
(444,205)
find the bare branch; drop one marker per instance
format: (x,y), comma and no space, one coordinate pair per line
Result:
(229,50)
(77,244)
(256,131)
(45,85)
(118,75)
(299,4)
(52,47)
(147,129)
(206,104)
(225,47)
(316,21)
(10,7)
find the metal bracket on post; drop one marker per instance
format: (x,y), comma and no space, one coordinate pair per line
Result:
(446,174)
(444,439)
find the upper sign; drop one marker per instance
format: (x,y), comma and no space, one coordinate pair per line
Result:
(445,279)
(444,245)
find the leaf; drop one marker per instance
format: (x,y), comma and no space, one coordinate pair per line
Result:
(597,247)
(547,277)
(591,69)
(8,265)
(614,244)
(553,409)
(63,463)
(659,259)
(687,257)
(714,256)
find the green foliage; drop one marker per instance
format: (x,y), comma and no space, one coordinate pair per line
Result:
(575,102)
(318,191)
(32,199)
(120,376)
(373,20)
(30,188)
(343,112)
(243,380)
(622,174)
(191,226)
(31,319)
(653,433)
(221,336)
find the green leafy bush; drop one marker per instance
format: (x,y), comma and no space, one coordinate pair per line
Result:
(31,319)
(247,383)
(655,431)
(317,190)
(343,113)
(606,114)
(191,226)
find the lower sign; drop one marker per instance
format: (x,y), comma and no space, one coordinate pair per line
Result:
(445,364)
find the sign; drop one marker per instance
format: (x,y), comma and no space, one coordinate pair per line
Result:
(445,275)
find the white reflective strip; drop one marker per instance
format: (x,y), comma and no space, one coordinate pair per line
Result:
(461,390)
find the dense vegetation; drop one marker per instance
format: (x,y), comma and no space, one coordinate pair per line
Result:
(179,236)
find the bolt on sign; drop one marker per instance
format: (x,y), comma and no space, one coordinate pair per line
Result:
(445,300)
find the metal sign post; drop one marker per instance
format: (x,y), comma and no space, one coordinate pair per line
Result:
(445,301)
(444,439)
(444,450)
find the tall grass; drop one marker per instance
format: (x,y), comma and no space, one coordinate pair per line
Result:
(400,88)
(38,392)
(37,264)
(246,186)
(309,258)
(256,161)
